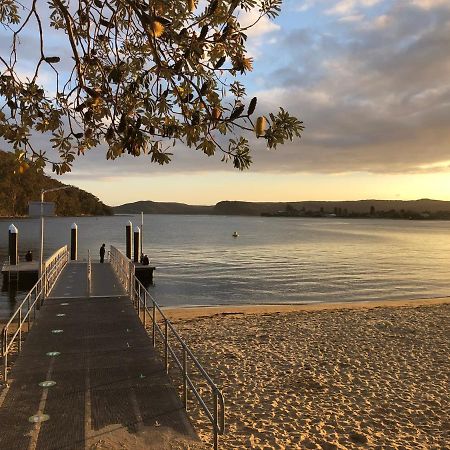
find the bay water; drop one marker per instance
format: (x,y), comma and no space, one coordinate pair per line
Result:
(273,260)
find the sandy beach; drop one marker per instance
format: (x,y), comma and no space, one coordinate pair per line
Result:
(372,375)
(327,376)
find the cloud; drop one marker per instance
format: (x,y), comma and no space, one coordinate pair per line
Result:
(430,4)
(373,98)
(348,7)
(257,34)
(374,95)
(352,18)
(262,27)
(306,4)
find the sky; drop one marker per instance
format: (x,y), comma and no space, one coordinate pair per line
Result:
(371,81)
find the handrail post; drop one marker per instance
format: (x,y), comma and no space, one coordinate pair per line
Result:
(89,274)
(139,300)
(36,294)
(44,287)
(29,314)
(34,303)
(145,308)
(215,425)
(130,277)
(166,345)
(5,353)
(20,329)
(154,325)
(185,390)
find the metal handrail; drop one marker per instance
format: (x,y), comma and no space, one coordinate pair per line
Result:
(89,274)
(144,302)
(26,311)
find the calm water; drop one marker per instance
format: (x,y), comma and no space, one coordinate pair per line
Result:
(273,260)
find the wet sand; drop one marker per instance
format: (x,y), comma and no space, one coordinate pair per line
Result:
(326,376)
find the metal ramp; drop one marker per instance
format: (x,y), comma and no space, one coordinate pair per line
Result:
(88,375)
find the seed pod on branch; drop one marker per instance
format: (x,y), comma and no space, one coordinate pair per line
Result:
(191,5)
(52,59)
(203,32)
(237,112)
(252,106)
(220,62)
(204,88)
(23,167)
(260,128)
(216,113)
(105,23)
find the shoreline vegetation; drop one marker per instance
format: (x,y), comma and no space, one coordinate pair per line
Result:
(326,376)
(18,187)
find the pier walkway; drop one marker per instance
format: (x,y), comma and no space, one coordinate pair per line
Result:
(88,376)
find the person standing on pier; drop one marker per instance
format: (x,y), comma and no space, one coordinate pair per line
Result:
(102,253)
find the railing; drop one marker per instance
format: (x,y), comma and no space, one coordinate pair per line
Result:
(26,312)
(89,274)
(146,306)
(52,267)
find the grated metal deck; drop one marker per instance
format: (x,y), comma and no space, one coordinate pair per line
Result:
(111,389)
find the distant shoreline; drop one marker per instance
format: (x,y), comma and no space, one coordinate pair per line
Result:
(423,209)
(274,216)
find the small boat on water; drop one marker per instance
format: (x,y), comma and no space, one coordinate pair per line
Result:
(235,234)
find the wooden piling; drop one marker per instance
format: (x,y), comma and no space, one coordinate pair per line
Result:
(74,242)
(137,244)
(13,247)
(128,239)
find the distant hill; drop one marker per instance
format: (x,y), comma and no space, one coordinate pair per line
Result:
(149,207)
(17,189)
(370,208)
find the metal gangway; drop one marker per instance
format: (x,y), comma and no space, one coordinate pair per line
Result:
(148,309)
(92,309)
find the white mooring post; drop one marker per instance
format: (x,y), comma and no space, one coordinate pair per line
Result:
(13,247)
(137,244)
(74,242)
(128,239)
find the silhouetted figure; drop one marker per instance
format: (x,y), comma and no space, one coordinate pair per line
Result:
(145,260)
(29,256)
(102,253)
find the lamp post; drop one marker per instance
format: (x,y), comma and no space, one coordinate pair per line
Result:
(41,253)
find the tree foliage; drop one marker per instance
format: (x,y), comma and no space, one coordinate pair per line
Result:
(140,77)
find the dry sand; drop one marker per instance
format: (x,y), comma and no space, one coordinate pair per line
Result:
(328,376)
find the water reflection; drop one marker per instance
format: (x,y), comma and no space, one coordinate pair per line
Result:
(274,260)
(13,291)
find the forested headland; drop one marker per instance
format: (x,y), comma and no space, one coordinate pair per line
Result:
(424,209)
(20,185)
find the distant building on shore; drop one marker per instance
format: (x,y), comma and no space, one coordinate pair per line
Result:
(34,209)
